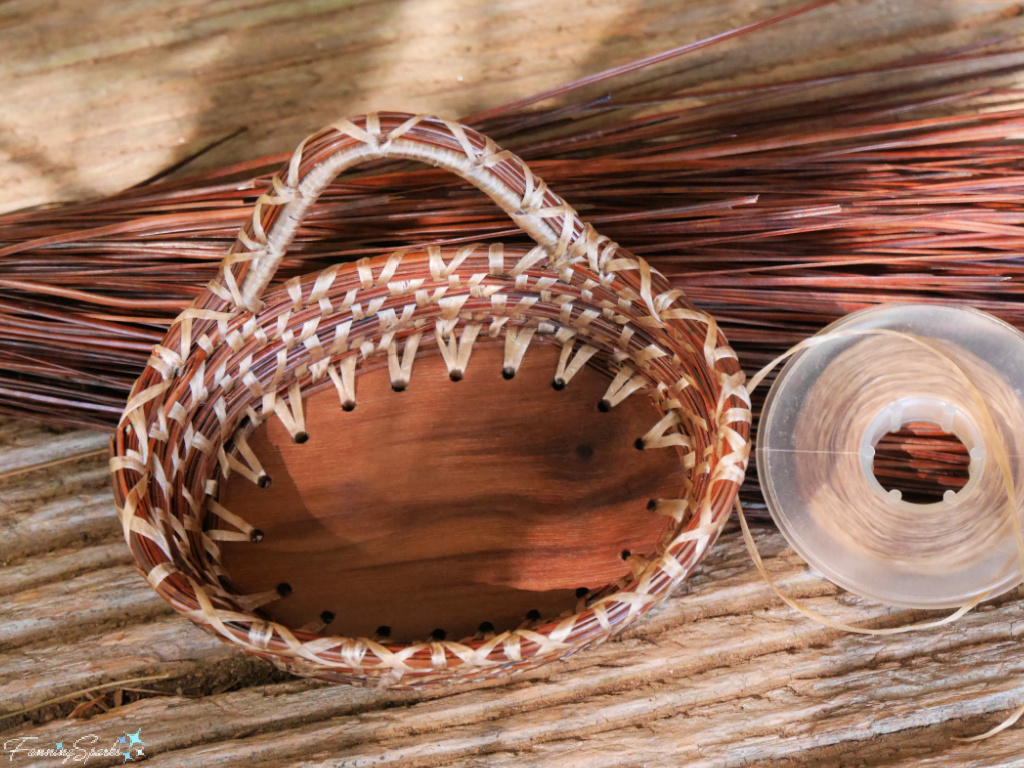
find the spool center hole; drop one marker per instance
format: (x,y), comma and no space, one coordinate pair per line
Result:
(922,461)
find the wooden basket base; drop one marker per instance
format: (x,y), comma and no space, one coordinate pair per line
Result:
(451,504)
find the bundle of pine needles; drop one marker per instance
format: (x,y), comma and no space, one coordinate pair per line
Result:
(777,208)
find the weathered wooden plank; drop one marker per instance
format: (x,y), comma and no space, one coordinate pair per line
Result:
(1007,752)
(928,746)
(170,646)
(62,522)
(155,82)
(662,667)
(61,565)
(721,607)
(22,449)
(720,596)
(25,492)
(730,717)
(766,708)
(46,506)
(86,604)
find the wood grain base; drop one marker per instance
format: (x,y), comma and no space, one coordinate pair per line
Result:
(451,503)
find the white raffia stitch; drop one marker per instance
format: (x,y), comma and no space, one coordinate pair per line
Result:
(625,383)
(237,366)
(251,468)
(570,364)
(401,371)
(516,343)
(345,381)
(456,348)
(659,435)
(292,414)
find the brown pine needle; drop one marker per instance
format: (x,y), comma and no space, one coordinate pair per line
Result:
(84,692)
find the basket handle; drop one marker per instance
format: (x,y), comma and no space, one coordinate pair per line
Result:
(553,224)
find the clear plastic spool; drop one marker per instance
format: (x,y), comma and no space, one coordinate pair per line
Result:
(949,418)
(784,453)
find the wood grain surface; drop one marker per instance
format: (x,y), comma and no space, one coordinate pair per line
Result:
(723,675)
(98,96)
(451,503)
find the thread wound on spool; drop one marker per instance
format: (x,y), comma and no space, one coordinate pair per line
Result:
(878,371)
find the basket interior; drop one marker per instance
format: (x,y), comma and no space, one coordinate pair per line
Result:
(451,505)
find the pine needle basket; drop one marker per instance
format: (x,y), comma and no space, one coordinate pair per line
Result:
(244,354)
